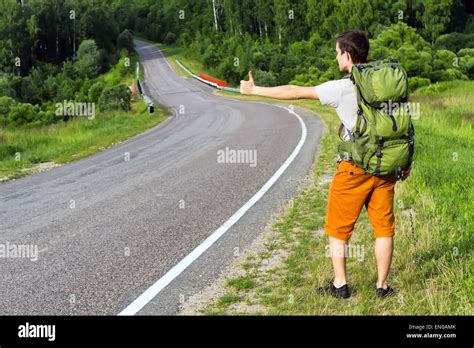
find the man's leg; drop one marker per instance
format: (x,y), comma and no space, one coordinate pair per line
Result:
(380,210)
(348,193)
(383,255)
(337,248)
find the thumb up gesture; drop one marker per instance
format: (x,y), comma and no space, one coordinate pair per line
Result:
(247,87)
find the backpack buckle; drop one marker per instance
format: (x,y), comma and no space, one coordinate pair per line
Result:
(379,147)
(398,172)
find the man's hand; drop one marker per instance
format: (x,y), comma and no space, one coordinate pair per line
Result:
(278,92)
(247,87)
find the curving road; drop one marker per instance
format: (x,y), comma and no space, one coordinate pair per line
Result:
(108,228)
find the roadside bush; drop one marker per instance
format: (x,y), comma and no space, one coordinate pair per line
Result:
(184,39)
(417,82)
(6,104)
(95,91)
(42,118)
(22,113)
(170,38)
(466,62)
(115,98)
(455,41)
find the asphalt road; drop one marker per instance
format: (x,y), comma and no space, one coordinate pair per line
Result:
(107,227)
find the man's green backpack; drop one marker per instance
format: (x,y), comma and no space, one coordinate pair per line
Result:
(382,141)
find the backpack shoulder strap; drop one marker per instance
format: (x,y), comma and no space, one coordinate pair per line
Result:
(359,98)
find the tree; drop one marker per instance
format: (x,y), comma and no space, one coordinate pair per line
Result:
(436,17)
(125,40)
(88,59)
(97,23)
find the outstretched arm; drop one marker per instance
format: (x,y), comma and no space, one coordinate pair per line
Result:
(279,92)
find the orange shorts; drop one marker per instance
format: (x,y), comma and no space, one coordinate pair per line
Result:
(351,189)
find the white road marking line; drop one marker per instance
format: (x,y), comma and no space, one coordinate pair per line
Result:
(160,284)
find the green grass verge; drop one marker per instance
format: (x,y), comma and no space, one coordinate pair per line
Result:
(73,140)
(22,148)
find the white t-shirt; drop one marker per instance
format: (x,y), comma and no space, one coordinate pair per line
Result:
(340,94)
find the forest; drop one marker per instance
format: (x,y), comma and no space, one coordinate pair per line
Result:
(53,50)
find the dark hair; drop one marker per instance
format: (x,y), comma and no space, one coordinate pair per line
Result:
(355,42)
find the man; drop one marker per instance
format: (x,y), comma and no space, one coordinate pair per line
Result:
(351,188)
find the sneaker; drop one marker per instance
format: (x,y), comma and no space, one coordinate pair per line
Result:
(382,293)
(330,289)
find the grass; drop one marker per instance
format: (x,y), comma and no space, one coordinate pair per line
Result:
(22,148)
(78,138)
(241,283)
